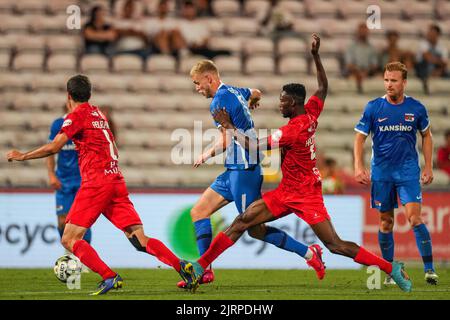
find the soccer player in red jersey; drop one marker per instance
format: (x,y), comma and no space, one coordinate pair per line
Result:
(103,188)
(300,190)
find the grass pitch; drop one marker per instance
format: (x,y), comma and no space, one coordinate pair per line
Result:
(41,284)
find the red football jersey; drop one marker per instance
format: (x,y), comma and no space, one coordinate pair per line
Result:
(97,151)
(298,150)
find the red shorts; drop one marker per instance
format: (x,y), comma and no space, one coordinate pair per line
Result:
(310,208)
(111,200)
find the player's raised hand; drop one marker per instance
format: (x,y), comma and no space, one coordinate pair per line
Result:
(221,116)
(14,155)
(362,176)
(253,104)
(315,44)
(427,176)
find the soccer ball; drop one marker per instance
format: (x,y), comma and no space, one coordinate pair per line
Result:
(66,266)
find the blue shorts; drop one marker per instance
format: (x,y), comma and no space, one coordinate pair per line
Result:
(241,186)
(66,195)
(384,194)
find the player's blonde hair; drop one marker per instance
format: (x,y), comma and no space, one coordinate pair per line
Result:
(204,66)
(397,66)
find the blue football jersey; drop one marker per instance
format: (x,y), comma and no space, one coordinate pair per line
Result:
(234,100)
(67,163)
(394,130)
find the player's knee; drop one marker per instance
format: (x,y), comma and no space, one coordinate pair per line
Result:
(197,214)
(386,225)
(67,242)
(415,220)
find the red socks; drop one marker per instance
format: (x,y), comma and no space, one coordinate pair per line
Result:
(220,243)
(89,257)
(369,259)
(159,250)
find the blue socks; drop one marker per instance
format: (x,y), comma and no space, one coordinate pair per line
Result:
(282,240)
(203,232)
(423,242)
(386,241)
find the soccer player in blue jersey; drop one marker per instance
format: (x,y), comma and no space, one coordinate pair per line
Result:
(393,121)
(66,179)
(241,182)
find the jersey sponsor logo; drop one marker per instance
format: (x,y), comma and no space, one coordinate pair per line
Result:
(409,117)
(377,203)
(276,136)
(67,123)
(419,197)
(381,120)
(397,128)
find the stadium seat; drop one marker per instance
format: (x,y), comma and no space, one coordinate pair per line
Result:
(215,26)
(291,46)
(229,65)
(177,83)
(187,63)
(105,82)
(63,44)
(62,63)
(28,102)
(260,66)
(258,47)
(130,102)
(234,44)
(127,64)
(226,8)
(305,27)
(27,177)
(418,8)
(145,84)
(193,103)
(7,6)
(94,63)
(241,26)
(49,24)
(161,64)
(59,6)
(296,8)
(440,178)
(30,43)
(13,24)
(331,65)
(5,59)
(30,6)
(292,65)
(334,140)
(30,62)
(256,8)
(320,8)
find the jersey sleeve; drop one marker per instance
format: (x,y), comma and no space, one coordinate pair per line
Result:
(246,93)
(314,106)
(54,129)
(72,125)
(365,123)
(283,137)
(423,123)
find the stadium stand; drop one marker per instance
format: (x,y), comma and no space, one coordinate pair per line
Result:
(152,99)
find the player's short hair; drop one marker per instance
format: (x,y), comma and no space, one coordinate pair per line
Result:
(397,66)
(204,66)
(297,91)
(79,87)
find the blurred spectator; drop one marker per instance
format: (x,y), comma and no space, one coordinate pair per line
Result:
(278,21)
(204,8)
(432,57)
(361,57)
(132,38)
(166,38)
(99,36)
(331,180)
(392,52)
(443,154)
(196,34)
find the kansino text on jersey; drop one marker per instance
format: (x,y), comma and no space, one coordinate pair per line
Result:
(395,128)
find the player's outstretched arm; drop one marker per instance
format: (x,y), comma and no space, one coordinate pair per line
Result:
(219,147)
(41,152)
(221,116)
(427,149)
(322,80)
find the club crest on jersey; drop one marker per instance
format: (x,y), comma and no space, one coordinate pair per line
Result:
(409,117)
(276,136)
(66,123)
(95,114)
